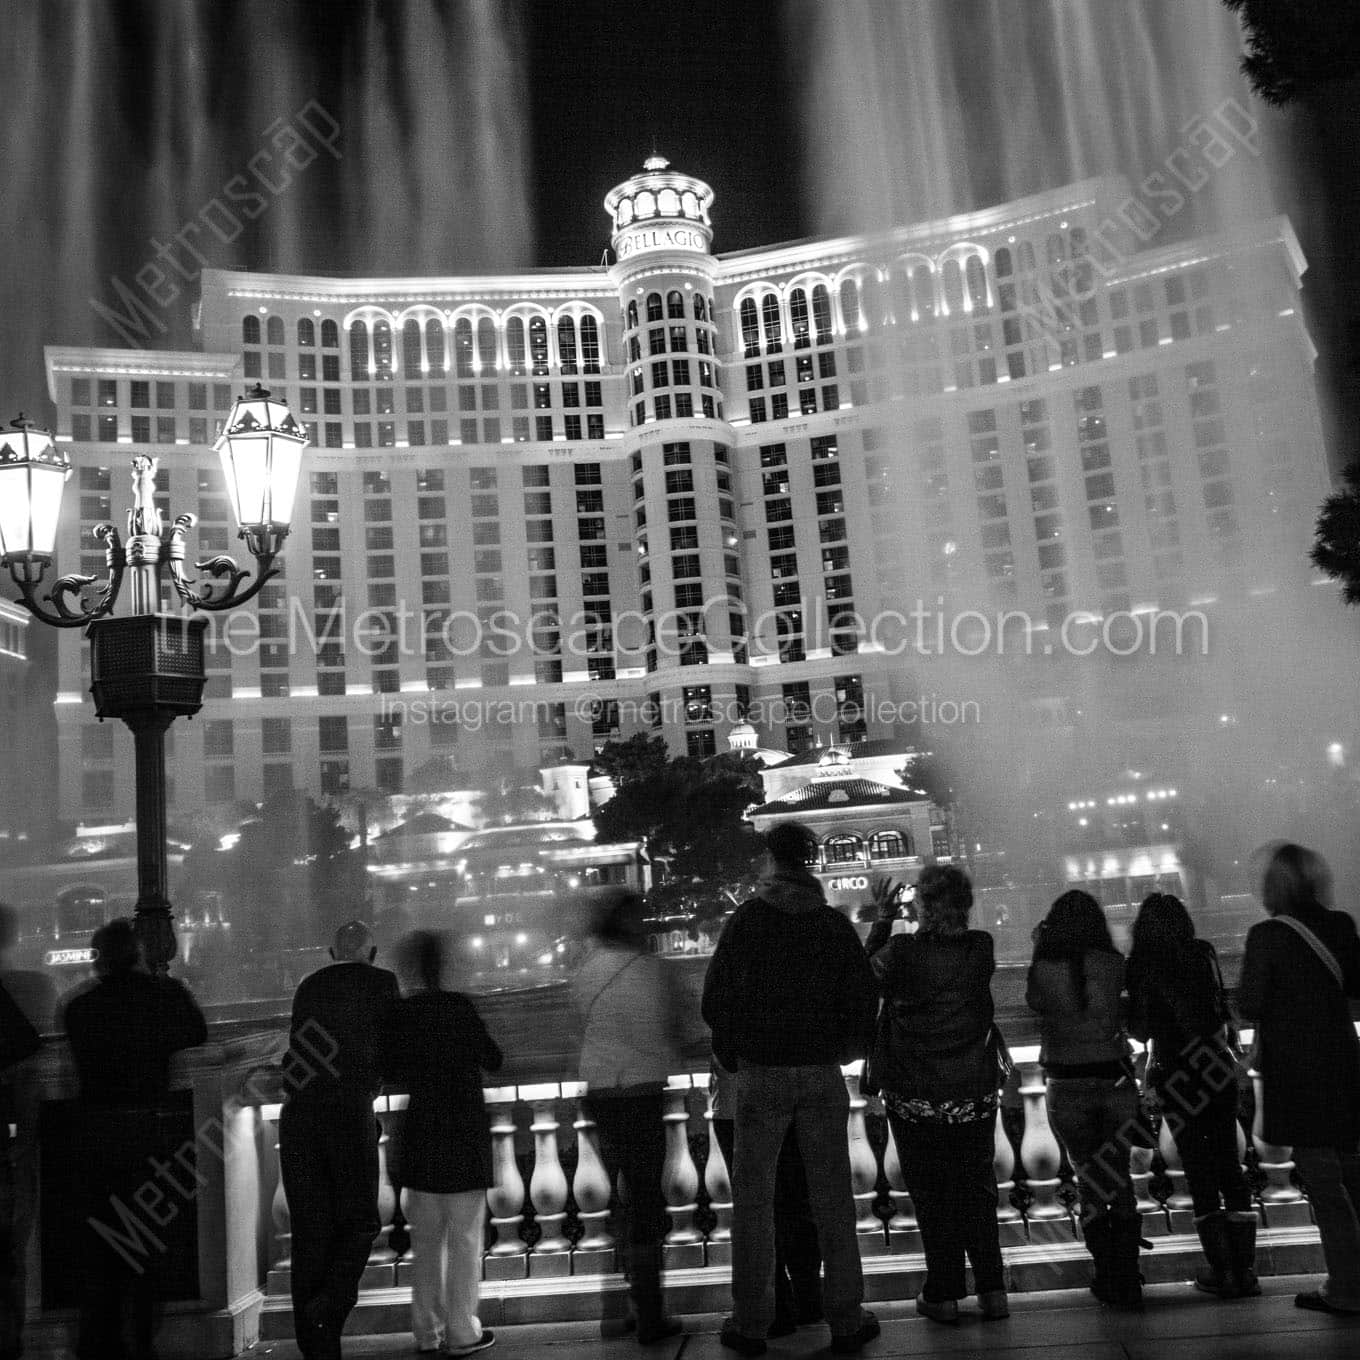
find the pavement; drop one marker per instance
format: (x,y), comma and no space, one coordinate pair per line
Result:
(1176,1324)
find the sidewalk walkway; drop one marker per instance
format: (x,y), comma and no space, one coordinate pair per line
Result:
(1176,1324)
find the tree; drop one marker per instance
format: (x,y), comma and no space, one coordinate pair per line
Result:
(1336,543)
(290,878)
(1294,47)
(689,813)
(514,796)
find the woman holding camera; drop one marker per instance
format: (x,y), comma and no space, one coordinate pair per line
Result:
(935,1059)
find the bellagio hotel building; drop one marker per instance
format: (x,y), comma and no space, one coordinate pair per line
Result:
(543,510)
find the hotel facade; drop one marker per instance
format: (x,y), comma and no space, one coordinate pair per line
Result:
(684,491)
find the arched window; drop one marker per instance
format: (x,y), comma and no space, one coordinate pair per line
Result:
(675,305)
(382,349)
(888,845)
(654,307)
(486,344)
(842,850)
(1026,257)
(250,330)
(590,344)
(923,291)
(566,344)
(411,358)
(750,327)
(850,317)
(358,352)
(1057,248)
(434,345)
(951,277)
(976,278)
(538,345)
(274,330)
(871,302)
(821,313)
(668,201)
(769,317)
(306,333)
(1003,262)
(632,314)
(798,318)
(330,335)
(514,346)
(462,348)
(646,203)
(700,311)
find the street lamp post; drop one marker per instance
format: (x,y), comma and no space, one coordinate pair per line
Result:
(147,665)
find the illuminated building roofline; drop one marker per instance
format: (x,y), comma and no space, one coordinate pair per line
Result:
(138,363)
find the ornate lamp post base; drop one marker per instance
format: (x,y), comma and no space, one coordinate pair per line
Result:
(147,670)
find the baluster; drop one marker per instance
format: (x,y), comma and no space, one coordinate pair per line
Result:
(684,1243)
(401,1237)
(1180,1208)
(551,1255)
(718,1183)
(1282,1204)
(278,1280)
(594,1254)
(1041,1159)
(873,1240)
(1140,1174)
(904,1232)
(508,1258)
(380,1272)
(1010,1221)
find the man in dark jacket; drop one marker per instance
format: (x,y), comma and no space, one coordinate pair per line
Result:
(1300,972)
(328,1139)
(790,997)
(123,1032)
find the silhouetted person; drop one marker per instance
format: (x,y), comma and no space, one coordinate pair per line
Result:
(328,1136)
(1178,1005)
(1076,985)
(123,1031)
(1299,972)
(789,997)
(632,1013)
(936,1060)
(441,1154)
(27,1003)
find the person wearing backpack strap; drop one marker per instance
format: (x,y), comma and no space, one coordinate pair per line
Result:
(1300,970)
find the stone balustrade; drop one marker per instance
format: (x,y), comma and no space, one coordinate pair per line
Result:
(550,1227)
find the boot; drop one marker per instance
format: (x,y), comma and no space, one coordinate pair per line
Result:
(1097,1234)
(1126,1283)
(1216,1277)
(1241,1240)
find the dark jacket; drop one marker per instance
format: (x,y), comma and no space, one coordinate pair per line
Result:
(439,1049)
(789,984)
(934,1040)
(1073,1034)
(1306,1047)
(1178,1006)
(337,1040)
(123,1032)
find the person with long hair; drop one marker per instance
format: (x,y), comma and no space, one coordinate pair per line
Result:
(441,1154)
(935,1059)
(1300,970)
(632,1012)
(1076,984)
(1177,1005)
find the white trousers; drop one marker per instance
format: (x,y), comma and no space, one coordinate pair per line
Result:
(446,1269)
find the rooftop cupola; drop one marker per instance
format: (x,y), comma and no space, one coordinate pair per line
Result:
(659,209)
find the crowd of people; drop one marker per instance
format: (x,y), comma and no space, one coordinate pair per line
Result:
(791,995)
